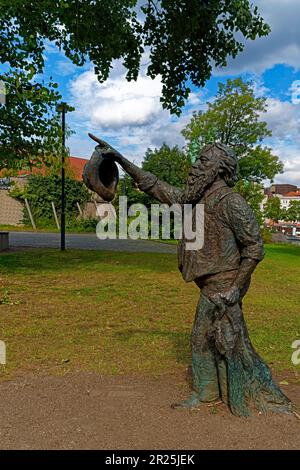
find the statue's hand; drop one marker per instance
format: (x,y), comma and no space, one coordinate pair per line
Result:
(106,149)
(231,296)
(226,298)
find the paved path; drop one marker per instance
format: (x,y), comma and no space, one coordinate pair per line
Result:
(86,242)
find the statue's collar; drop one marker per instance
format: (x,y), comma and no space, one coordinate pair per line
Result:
(214,187)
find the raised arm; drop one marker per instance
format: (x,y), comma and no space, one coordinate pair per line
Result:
(146,181)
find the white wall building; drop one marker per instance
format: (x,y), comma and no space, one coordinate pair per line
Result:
(286,200)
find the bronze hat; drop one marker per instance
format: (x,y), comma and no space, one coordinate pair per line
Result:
(101,173)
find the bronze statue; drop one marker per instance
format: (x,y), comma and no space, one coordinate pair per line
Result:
(225,365)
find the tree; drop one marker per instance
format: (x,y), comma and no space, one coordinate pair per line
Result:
(40,200)
(168,164)
(272,209)
(293,212)
(128,188)
(30,131)
(234,118)
(184,38)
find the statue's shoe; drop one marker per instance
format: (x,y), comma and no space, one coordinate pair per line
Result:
(192,401)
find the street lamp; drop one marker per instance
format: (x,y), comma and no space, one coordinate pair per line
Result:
(63,108)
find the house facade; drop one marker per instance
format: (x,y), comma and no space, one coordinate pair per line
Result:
(286,193)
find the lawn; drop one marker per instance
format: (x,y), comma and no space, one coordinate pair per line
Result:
(129,313)
(25,228)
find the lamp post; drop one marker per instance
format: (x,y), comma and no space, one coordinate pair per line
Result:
(63,108)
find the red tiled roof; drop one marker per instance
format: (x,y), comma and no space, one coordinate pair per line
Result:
(76,164)
(271,223)
(293,193)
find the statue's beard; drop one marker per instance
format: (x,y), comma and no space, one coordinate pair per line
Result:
(199,180)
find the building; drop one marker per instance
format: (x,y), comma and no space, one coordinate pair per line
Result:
(282,188)
(74,166)
(285,199)
(286,194)
(11,210)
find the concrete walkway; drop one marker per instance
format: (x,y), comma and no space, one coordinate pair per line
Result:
(86,242)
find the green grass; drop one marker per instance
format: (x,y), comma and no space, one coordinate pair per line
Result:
(129,313)
(24,228)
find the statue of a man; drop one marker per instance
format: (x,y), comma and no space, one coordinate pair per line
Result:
(225,365)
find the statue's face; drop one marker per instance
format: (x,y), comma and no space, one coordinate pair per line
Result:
(204,165)
(202,174)
(208,168)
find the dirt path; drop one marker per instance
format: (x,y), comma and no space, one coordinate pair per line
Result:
(87,411)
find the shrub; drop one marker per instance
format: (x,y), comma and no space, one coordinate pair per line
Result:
(266,235)
(41,191)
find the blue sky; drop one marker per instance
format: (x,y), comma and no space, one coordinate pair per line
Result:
(130,116)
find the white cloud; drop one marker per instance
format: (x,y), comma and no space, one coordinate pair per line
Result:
(127,114)
(290,156)
(283,118)
(282,46)
(116,103)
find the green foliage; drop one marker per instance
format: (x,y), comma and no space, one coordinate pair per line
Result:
(42,191)
(30,131)
(266,236)
(75,224)
(234,118)
(193,150)
(6,300)
(127,187)
(185,39)
(168,164)
(259,163)
(293,212)
(272,209)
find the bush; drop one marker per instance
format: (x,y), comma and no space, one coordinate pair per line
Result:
(82,225)
(266,236)
(41,191)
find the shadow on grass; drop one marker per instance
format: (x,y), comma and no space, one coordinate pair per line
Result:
(180,341)
(52,260)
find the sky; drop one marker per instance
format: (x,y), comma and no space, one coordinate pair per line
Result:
(129,115)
